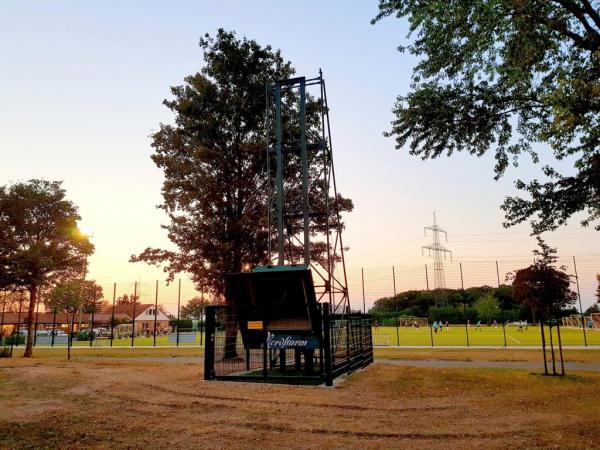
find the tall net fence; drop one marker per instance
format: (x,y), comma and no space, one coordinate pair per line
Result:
(153,313)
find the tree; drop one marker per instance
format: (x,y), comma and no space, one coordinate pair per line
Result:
(194,308)
(214,160)
(126,299)
(68,296)
(12,301)
(487,307)
(505,74)
(92,292)
(545,289)
(39,240)
(595,308)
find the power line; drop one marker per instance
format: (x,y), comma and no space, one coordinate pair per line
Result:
(437,249)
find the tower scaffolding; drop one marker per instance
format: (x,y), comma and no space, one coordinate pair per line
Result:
(300,169)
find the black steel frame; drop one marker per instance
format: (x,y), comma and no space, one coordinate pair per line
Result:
(346,346)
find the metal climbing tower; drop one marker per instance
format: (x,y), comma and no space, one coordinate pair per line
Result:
(304,219)
(439,252)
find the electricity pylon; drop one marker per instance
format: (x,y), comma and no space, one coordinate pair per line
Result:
(438,251)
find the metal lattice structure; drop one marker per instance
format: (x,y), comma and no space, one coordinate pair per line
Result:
(303,211)
(438,251)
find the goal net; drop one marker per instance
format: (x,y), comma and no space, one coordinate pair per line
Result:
(412,322)
(595,320)
(574,320)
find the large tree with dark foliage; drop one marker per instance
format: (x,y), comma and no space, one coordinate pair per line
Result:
(214,158)
(503,75)
(545,289)
(39,240)
(542,286)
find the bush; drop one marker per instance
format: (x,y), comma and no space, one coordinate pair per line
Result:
(14,339)
(4,352)
(82,336)
(184,324)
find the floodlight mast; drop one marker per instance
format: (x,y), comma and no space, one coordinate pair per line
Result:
(300,169)
(438,250)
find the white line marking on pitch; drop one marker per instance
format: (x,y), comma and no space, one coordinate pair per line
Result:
(514,339)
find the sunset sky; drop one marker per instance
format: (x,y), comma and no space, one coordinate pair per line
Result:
(81,91)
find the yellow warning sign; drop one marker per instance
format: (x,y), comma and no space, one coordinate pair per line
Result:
(255,325)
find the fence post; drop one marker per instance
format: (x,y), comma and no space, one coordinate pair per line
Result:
(12,341)
(2,322)
(53,326)
(396,307)
(429,325)
(19,319)
(327,344)
(501,305)
(178,308)
(362,275)
(543,344)
(202,312)
(209,350)
(562,363)
(70,331)
(462,284)
(134,303)
(112,316)
(155,312)
(92,324)
(580,308)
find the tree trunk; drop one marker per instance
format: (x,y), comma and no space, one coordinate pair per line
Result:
(544,346)
(32,302)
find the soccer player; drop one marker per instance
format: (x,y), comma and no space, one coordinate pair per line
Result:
(478,326)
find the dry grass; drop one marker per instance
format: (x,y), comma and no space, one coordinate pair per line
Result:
(511,355)
(51,403)
(114,352)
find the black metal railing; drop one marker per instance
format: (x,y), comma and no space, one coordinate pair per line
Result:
(283,352)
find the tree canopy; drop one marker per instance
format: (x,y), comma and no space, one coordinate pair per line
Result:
(503,75)
(128,299)
(542,286)
(487,307)
(194,308)
(39,240)
(214,160)
(68,296)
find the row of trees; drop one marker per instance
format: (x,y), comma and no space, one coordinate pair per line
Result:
(484,302)
(542,289)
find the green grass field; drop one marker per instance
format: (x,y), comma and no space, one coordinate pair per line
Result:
(407,336)
(485,336)
(161,341)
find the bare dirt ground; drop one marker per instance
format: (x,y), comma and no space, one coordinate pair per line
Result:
(533,355)
(109,404)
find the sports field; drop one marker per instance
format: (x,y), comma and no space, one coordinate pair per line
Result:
(486,336)
(409,336)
